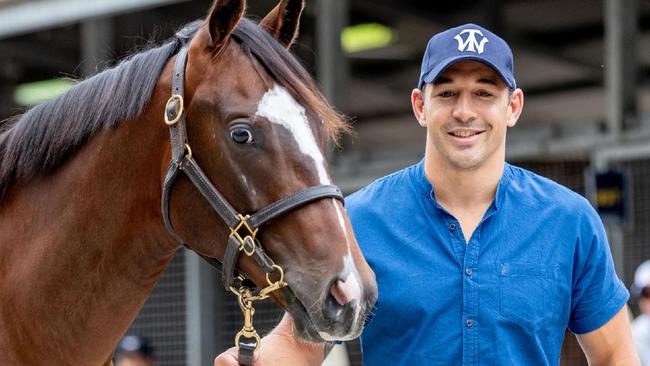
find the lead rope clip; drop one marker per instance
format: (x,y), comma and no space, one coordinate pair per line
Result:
(247,340)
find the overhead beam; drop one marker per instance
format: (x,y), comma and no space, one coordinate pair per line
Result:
(32,16)
(567,36)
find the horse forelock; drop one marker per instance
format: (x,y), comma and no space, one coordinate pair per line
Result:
(288,72)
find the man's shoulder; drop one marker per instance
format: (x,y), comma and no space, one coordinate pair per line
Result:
(527,178)
(536,189)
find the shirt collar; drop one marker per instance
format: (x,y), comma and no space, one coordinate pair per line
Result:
(503,184)
(420,180)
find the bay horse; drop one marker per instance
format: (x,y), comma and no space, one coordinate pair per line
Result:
(83,239)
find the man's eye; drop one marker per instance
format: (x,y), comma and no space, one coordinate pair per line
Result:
(483,93)
(446,94)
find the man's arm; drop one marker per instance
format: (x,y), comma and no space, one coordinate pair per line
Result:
(279,348)
(610,344)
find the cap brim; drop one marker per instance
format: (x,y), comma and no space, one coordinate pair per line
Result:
(445,64)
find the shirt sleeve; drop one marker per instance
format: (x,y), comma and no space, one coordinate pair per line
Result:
(598,294)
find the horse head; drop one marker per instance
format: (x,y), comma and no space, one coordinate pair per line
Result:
(257,126)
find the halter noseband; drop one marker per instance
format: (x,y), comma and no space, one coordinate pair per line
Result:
(243,228)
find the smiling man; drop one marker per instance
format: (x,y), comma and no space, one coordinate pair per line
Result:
(478,262)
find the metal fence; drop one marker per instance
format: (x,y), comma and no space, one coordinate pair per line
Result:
(163,320)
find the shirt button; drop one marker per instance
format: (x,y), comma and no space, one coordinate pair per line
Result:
(452,226)
(469,271)
(469,323)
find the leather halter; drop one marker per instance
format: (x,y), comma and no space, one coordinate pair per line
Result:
(182,161)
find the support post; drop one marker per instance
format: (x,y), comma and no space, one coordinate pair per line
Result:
(96,44)
(621,27)
(332,66)
(200,284)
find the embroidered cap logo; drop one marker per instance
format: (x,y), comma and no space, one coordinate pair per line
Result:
(471,44)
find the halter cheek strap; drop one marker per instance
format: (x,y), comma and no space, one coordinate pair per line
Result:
(243,228)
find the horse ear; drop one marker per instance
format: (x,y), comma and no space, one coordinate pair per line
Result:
(222,19)
(283,21)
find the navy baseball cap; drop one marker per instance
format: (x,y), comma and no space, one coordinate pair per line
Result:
(468,42)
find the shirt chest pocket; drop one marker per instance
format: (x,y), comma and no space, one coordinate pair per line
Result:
(531,294)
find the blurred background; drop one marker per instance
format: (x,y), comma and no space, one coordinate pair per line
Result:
(584,66)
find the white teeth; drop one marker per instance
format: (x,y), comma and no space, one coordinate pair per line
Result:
(464,133)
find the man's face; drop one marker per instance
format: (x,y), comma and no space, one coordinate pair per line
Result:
(466,113)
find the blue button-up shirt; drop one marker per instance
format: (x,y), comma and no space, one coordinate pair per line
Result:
(537,263)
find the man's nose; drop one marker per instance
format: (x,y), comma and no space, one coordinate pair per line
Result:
(464,110)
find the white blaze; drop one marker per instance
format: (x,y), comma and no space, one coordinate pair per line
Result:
(352,282)
(279,107)
(339,215)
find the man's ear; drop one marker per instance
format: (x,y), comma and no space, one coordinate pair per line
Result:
(222,19)
(515,107)
(417,103)
(284,20)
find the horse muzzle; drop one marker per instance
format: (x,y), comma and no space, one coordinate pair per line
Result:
(338,315)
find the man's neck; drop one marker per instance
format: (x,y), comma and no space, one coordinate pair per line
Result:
(465,193)
(464,188)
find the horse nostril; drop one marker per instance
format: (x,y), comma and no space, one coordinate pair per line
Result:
(334,311)
(341,301)
(342,294)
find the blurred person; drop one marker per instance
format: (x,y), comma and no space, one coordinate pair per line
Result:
(478,262)
(134,351)
(641,324)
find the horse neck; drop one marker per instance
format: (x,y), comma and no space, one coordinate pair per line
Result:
(83,247)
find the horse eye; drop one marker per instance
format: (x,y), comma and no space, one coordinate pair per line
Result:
(241,134)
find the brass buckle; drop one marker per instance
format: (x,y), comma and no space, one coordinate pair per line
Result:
(179,108)
(247,243)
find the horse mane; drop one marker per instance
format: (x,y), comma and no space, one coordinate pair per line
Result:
(40,140)
(43,138)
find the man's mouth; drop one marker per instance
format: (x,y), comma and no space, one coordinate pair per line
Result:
(465,133)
